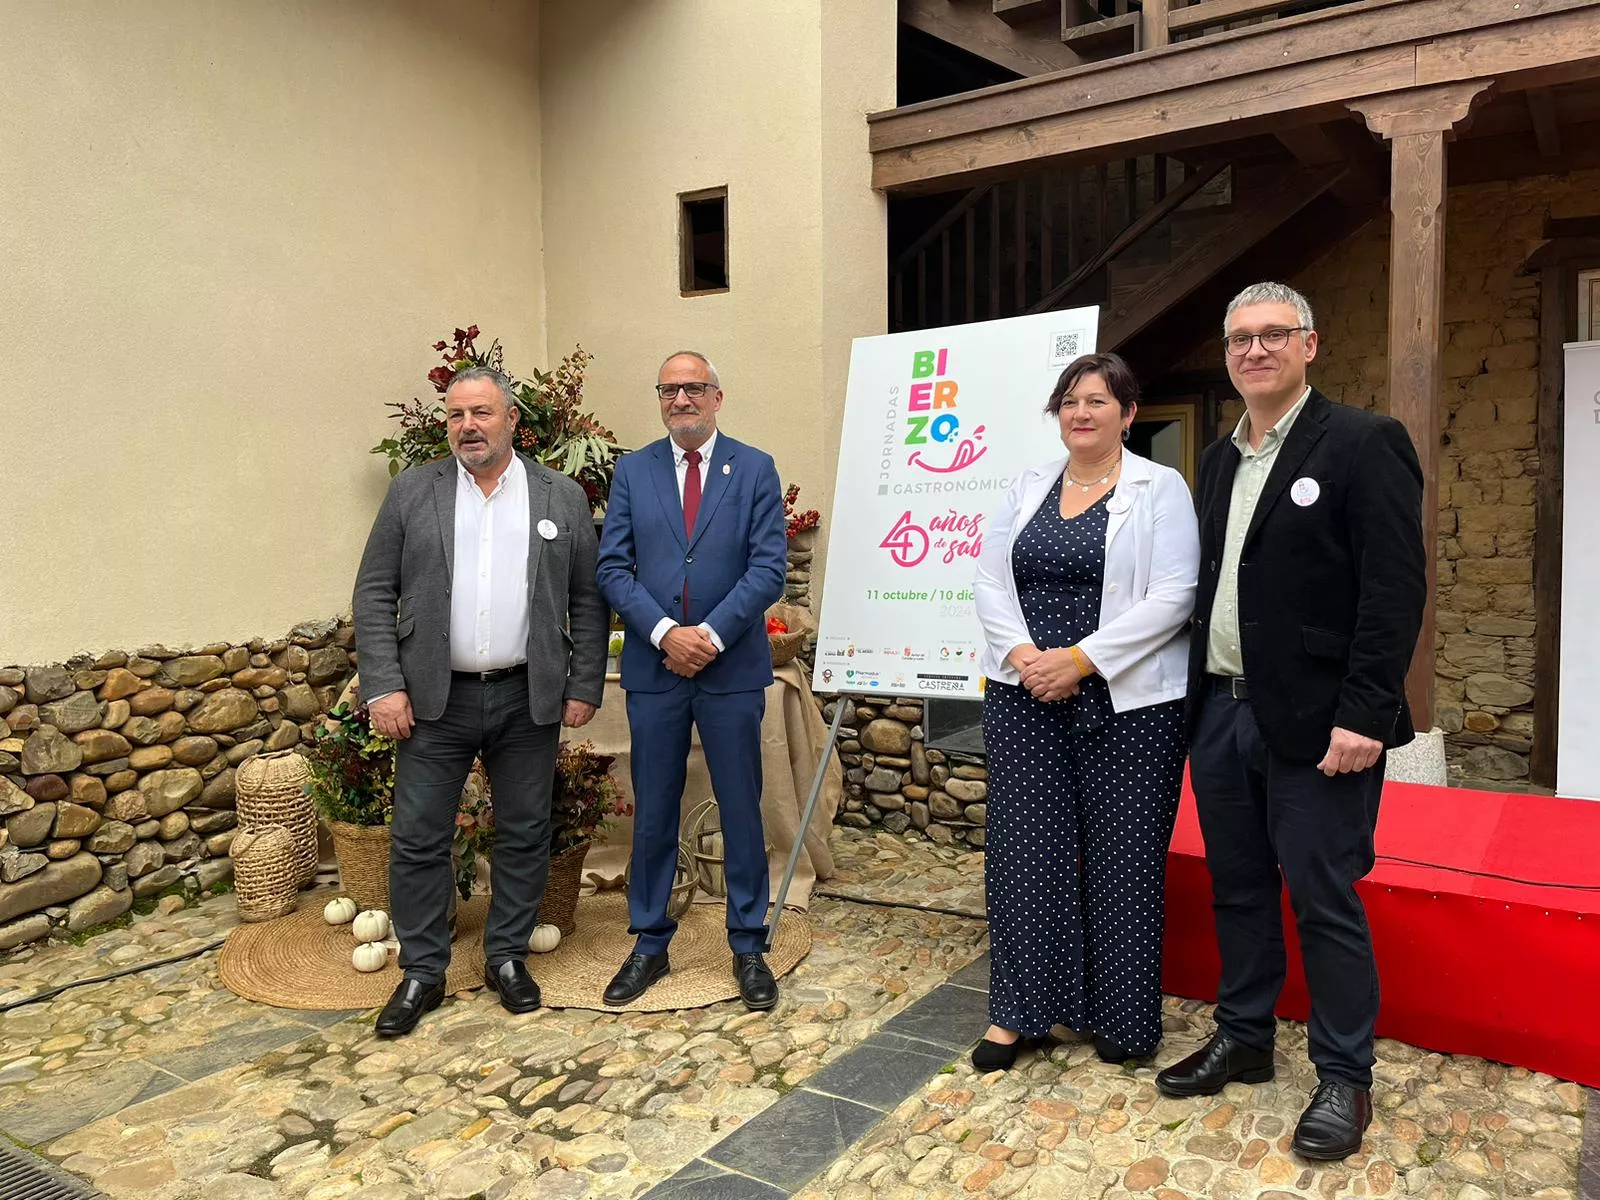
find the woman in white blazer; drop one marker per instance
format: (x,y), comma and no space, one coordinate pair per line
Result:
(1085,584)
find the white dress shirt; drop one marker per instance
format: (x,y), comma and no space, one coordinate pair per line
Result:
(680,462)
(489,589)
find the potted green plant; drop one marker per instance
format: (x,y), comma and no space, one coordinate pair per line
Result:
(352,786)
(583,800)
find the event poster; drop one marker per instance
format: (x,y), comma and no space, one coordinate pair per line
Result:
(937,425)
(1578,727)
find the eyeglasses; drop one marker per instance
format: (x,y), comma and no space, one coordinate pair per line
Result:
(1272,340)
(692,390)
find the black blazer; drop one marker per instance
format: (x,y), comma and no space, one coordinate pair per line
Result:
(1331,593)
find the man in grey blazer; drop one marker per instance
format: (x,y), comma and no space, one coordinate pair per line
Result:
(479,631)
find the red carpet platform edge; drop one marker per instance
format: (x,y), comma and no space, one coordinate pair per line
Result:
(1485,912)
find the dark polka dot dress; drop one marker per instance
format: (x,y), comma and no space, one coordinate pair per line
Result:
(1081,804)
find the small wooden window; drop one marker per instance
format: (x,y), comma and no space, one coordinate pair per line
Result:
(1589,306)
(703,242)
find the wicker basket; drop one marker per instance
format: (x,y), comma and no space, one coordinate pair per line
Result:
(801,626)
(560,904)
(266,882)
(363,855)
(272,791)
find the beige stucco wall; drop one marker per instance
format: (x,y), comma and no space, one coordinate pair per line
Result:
(228,235)
(645,99)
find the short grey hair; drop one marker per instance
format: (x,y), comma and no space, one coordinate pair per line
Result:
(710,370)
(1271,293)
(500,379)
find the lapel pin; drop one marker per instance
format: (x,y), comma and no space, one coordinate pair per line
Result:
(547,529)
(726,469)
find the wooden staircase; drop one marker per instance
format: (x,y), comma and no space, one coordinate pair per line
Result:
(1138,238)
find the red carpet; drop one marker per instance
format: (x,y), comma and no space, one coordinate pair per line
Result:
(1489,945)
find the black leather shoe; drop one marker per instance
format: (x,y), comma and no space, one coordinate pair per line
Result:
(1219,1062)
(405,1008)
(638,973)
(1332,1124)
(518,991)
(1116,1053)
(757,988)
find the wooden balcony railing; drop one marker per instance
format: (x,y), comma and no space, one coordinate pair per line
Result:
(1165,21)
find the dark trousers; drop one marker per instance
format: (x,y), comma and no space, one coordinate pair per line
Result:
(491,721)
(730,733)
(1258,814)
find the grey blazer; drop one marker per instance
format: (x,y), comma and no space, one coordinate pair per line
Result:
(402,596)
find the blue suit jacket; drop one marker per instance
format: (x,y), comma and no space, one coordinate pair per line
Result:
(735,562)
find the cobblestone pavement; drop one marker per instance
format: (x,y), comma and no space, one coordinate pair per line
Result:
(164,1085)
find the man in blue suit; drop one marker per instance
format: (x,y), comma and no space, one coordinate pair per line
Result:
(693,552)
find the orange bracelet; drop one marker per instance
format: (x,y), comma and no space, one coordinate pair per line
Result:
(1081,660)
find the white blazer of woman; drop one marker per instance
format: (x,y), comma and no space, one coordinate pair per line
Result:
(1151,566)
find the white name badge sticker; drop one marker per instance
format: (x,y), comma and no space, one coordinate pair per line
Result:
(547,529)
(1305,491)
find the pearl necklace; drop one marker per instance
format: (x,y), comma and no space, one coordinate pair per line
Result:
(1090,486)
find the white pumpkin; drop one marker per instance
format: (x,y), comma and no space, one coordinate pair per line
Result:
(370,956)
(341,910)
(371,926)
(545,939)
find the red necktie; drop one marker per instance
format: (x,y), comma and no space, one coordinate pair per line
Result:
(691,510)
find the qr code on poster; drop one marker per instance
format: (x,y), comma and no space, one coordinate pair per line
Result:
(1063,348)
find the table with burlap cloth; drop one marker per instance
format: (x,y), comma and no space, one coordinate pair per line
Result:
(793,737)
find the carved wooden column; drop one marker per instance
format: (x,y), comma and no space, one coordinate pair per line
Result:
(1417,124)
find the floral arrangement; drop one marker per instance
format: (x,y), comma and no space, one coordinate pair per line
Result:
(352,769)
(584,800)
(797,522)
(553,430)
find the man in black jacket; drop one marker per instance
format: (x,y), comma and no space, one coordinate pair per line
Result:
(1312,586)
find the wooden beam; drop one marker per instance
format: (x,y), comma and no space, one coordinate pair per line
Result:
(1251,223)
(1554,331)
(1221,12)
(1572,227)
(1514,156)
(1416,326)
(973,26)
(1020,12)
(1340,142)
(1153,30)
(1267,77)
(1440,109)
(1417,123)
(1561,251)
(1546,129)
(1167,205)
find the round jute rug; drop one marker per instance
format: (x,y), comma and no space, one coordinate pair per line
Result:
(300,961)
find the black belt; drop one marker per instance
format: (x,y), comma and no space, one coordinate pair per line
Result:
(1229,685)
(493,676)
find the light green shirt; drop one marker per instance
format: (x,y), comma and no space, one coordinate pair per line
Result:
(1224,656)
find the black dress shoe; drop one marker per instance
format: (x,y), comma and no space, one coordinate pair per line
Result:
(405,1008)
(638,973)
(1332,1124)
(1219,1062)
(1116,1053)
(757,988)
(518,991)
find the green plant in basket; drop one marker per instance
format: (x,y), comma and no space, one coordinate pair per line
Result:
(582,802)
(352,769)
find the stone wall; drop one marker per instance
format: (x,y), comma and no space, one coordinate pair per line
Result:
(117,772)
(1486,613)
(892,779)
